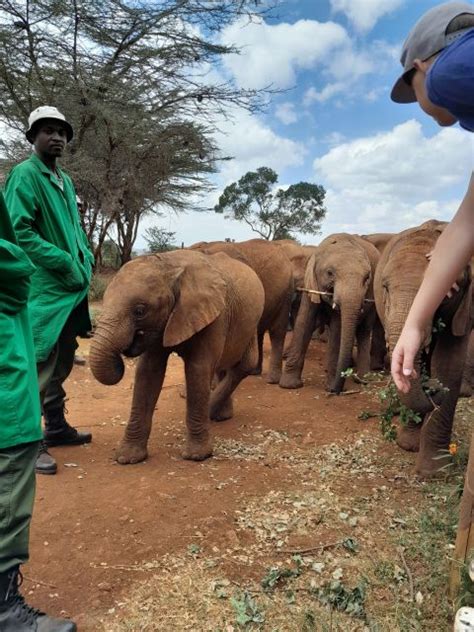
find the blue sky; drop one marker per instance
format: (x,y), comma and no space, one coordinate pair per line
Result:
(385,166)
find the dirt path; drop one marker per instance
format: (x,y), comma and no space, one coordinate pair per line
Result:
(99,527)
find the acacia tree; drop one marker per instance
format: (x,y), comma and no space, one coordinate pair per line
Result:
(159,239)
(134,80)
(273,213)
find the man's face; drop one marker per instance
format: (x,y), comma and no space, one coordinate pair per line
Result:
(442,116)
(51,138)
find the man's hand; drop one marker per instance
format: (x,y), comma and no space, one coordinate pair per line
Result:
(403,357)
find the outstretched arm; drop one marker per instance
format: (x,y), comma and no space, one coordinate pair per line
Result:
(453,251)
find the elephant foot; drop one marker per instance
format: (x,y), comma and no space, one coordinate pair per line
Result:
(466,389)
(256,371)
(130,453)
(274,376)
(223,413)
(290,380)
(408,438)
(197,450)
(430,463)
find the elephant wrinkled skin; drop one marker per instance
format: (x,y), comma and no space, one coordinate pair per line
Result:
(343,267)
(204,308)
(397,280)
(274,270)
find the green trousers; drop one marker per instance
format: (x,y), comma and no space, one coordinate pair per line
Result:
(57,368)
(17,494)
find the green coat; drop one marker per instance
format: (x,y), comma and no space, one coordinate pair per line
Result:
(20,418)
(46,222)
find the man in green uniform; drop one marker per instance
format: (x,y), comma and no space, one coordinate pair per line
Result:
(20,435)
(42,203)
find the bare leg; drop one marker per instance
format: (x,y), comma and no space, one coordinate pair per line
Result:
(149,378)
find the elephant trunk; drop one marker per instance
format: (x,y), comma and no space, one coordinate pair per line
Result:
(350,311)
(110,339)
(416,398)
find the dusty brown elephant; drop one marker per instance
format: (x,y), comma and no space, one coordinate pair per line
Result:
(398,277)
(298,256)
(467,387)
(340,275)
(378,351)
(274,270)
(204,308)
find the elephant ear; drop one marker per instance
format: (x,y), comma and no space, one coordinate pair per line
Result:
(461,323)
(201,297)
(310,281)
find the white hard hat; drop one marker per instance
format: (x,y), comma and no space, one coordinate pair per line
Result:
(47,112)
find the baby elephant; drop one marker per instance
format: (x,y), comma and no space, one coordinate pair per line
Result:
(203,307)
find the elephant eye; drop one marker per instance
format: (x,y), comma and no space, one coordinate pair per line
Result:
(330,272)
(139,311)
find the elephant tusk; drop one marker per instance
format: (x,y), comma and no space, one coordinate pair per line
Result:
(334,305)
(140,332)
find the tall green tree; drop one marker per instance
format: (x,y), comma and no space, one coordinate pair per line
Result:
(270,212)
(134,79)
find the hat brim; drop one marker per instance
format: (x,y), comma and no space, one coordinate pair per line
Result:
(402,92)
(31,132)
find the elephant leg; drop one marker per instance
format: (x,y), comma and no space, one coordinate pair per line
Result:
(291,375)
(334,343)
(363,346)
(447,364)
(378,349)
(149,378)
(221,406)
(277,338)
(467,385)
(199,366)
(257,370)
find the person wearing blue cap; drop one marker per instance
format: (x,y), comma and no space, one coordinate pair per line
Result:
(438,72)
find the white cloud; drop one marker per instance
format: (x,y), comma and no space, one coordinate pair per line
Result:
(285,112)
(330,90)
(364,14)
(393,179)
(272,54)
(253,144)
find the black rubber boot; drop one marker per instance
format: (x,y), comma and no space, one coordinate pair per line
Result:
(18,616)
(59,432)
(45,462)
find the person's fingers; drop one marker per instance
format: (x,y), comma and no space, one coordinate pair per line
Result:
(397,369)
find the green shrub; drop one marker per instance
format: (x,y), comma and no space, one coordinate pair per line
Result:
(97,287)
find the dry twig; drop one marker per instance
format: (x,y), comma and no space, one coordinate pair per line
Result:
(408,572)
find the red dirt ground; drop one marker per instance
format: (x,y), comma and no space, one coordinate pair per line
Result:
(100,514)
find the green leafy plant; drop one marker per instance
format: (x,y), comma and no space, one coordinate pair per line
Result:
(275,575)
(246,609)
(366,414)
(350,372)
(339,597)
(351,544)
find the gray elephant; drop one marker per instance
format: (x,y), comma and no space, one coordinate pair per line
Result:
(339,276)
(397,280)
(204,308)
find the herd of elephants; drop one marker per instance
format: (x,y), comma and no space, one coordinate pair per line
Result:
(212,303)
